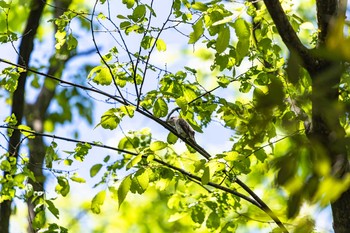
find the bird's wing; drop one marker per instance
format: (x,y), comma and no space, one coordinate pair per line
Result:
(186,128)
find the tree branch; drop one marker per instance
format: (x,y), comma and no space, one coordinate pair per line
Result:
(100,55)
(326,10)
(67,139)
(287,33)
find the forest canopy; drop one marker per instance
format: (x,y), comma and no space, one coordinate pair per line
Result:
(174,116)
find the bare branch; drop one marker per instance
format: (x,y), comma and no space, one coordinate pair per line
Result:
(150,52)
(68,139)
(99,53)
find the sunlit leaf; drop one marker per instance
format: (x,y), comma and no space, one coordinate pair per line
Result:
(223,39)
(26,131)
(160,44)
(39,219)
(160,108)
(141,180)
(62,186)
(110,119)
(95,169)
(177,216)
(129,3)
(77,179)
(98,201)
(172,138)
(103,77)
(52,208)
(138,13)
(123,189)
(199,6)
(158,145)
(198,31)
(134,161)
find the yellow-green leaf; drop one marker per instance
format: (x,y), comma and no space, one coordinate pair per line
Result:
(172,138)
(95,169)
(123,189)
(98,201)
(141,180)
(128,110)
(160,44)
(77,179)
(157,145)
(110,120)
(134,161)
(26,131)
(223,39)
(160,108)
(103,77)
(39,219)
(198,31)
(199,6)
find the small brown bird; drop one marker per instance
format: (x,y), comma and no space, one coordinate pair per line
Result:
(182,127)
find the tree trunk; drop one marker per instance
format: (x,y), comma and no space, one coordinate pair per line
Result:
(36,115)
(25,50)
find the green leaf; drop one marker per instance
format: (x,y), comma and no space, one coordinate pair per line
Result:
(147,42)
(172,138)
(106,159)
(223,81)
(39,220)
(189,93)
(110,119)
(123,189)
(294,205)
(206,176)
(223,39)
(50,155)
(139,13)
(242,49)
(72,43)
(3,4)
(95,169)
(98,201)
(260,155)
(63,186)
(128,110)
(26,131)
(81,150)
(242,29)
(213,221)
(177,216)
(60,38)
(52,208)
(182,103)
(103,77)
(141,180)
(199,6)
(157,145)
(134,161)
(160,108)
(129,3)
(198,31)
(5,165)
(160,44)
(77,179)
(197,214)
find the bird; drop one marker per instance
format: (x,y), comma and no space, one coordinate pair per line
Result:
(182,127)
